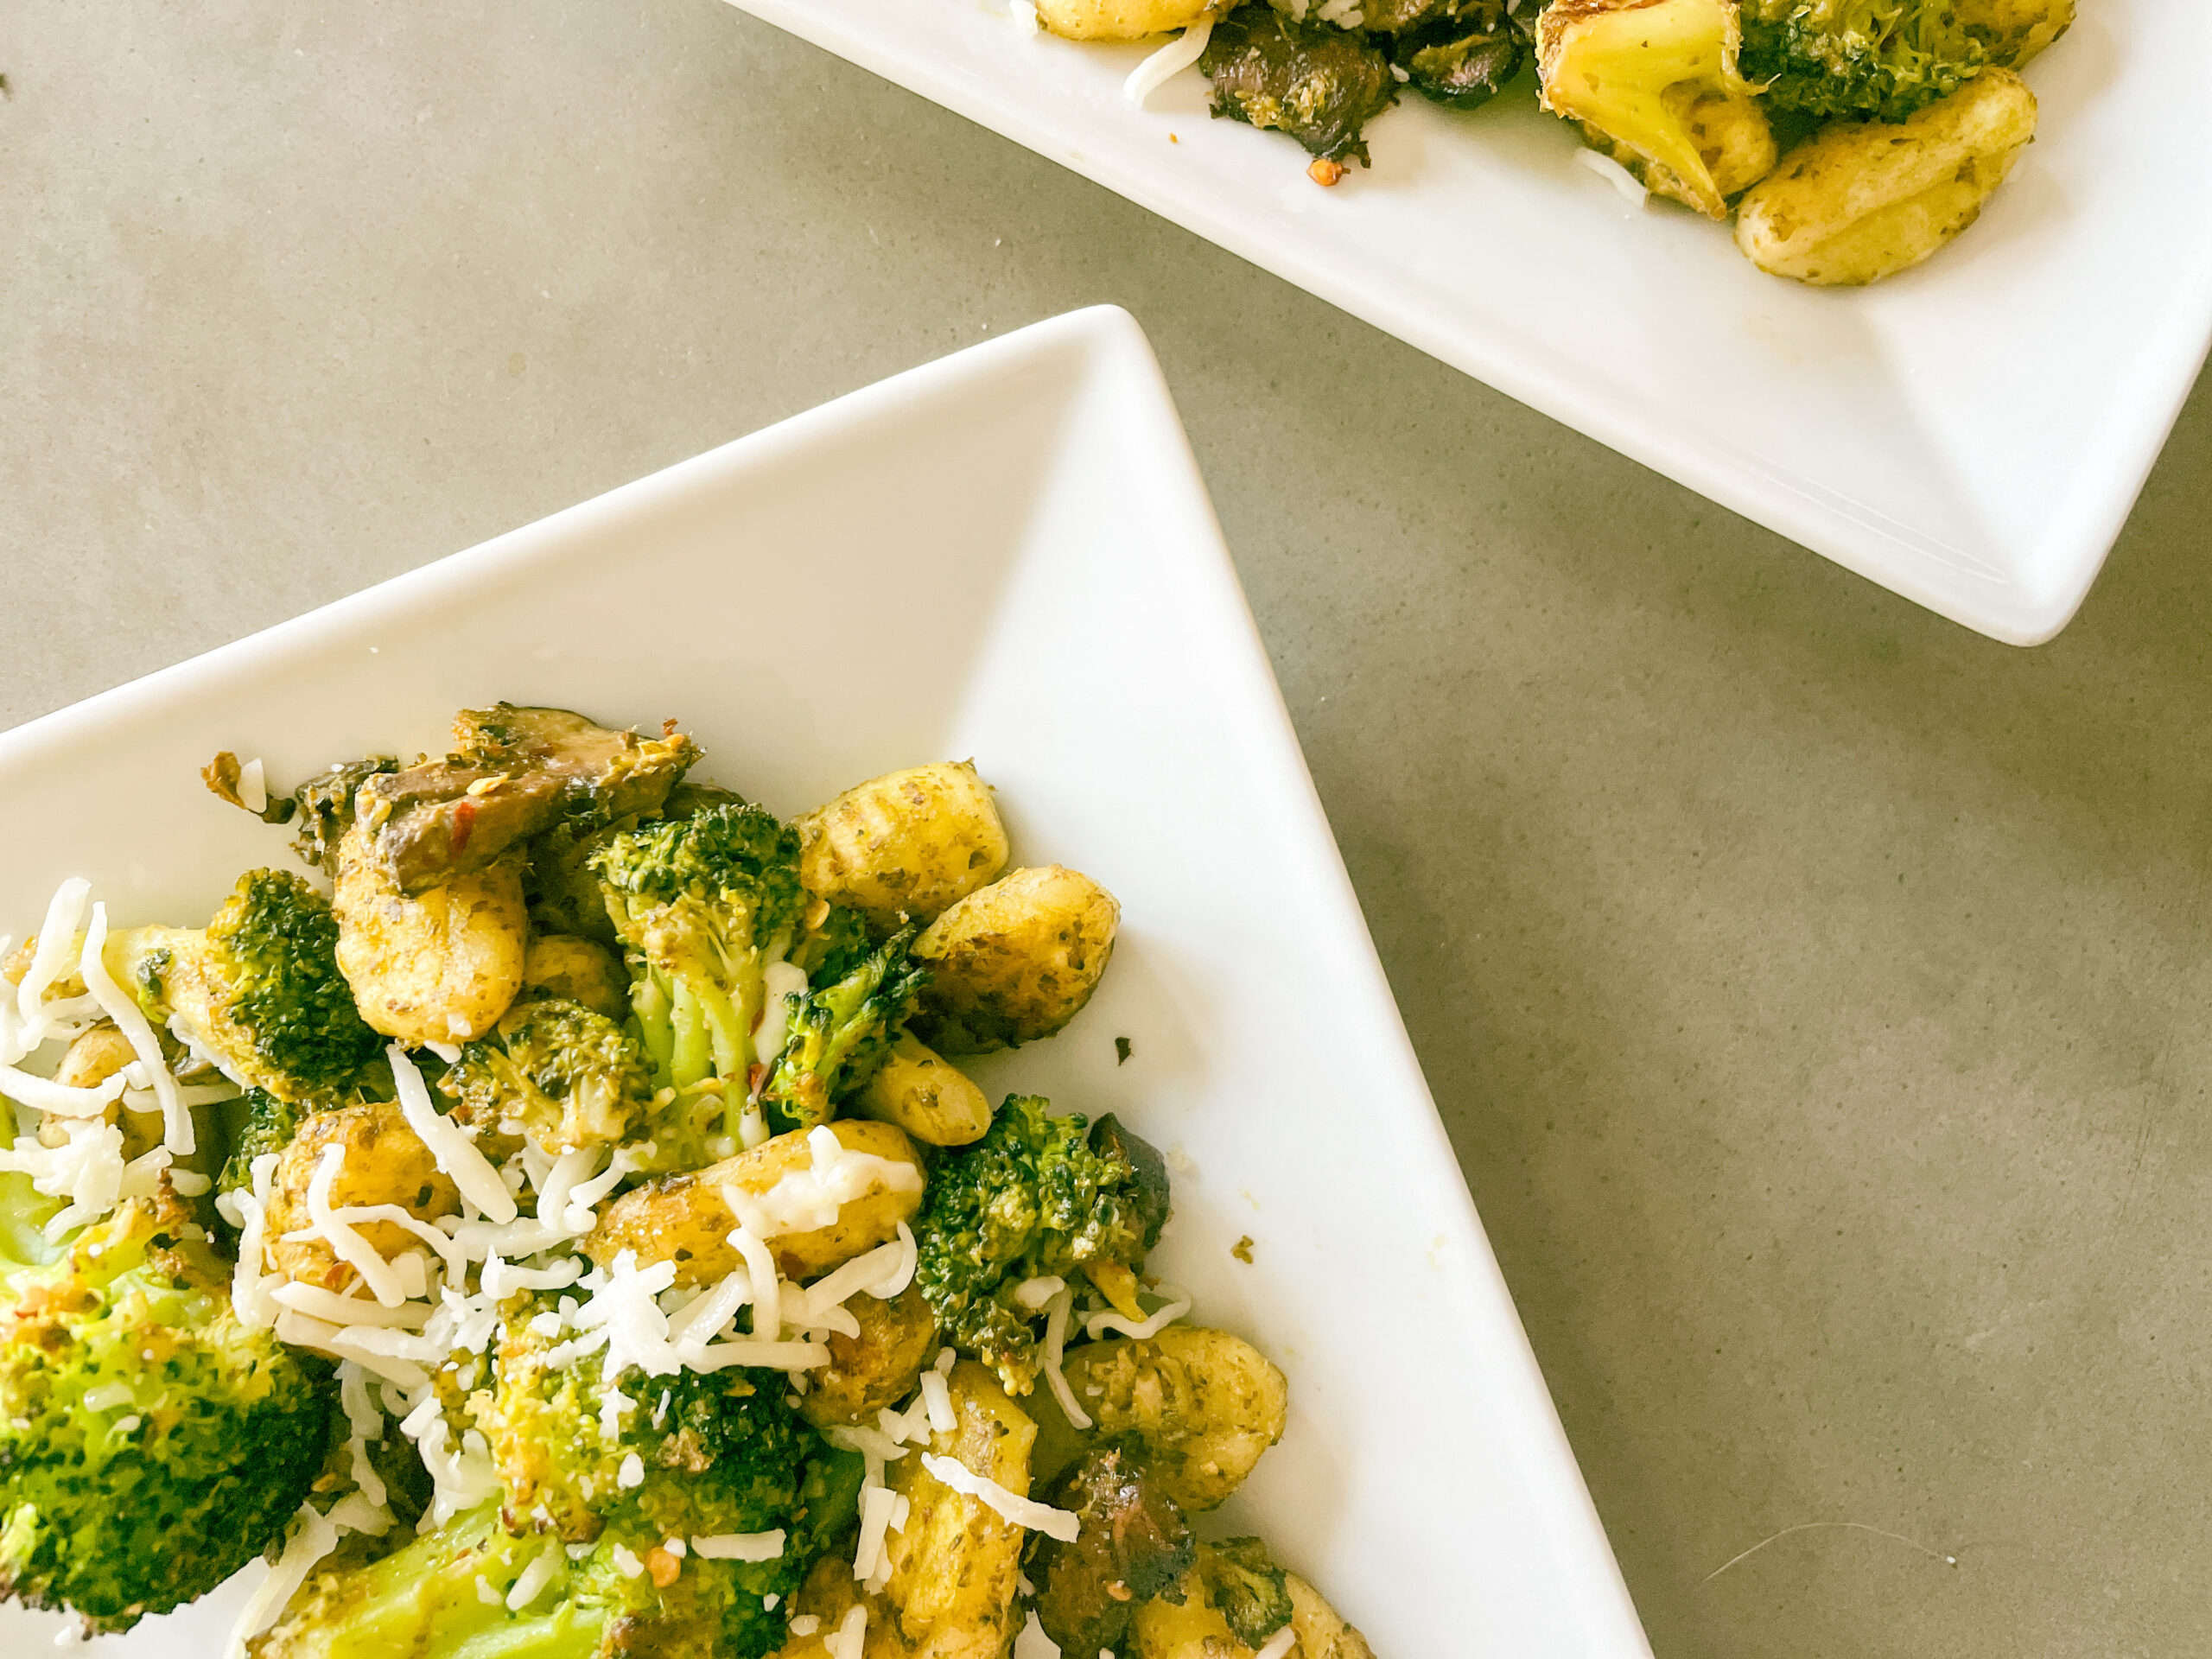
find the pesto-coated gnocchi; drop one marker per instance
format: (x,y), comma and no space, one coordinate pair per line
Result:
(1864,201)
(1014,961)
(926,1095)
(1203,1406)
(1119,20)
(438,966)
(384,1162)
(2013,31)
(687,1218)
(902,847)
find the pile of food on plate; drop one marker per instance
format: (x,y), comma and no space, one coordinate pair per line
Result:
(569,1239)
(1849,139)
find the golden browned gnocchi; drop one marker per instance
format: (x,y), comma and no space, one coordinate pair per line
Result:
(877,1368)
(956,1564)
(438,966)
(687,1219)
(1865,200)
(385,1162)
(904,846)
(1014,961)
(1202,1404)
(926,1095)
(1322,1632)
(2013,31)
(1119,20)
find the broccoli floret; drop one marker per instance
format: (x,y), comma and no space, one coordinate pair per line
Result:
(715,1453)
(703,904)
(265,1125)
(1856,60)
(1635,75)
(1035,1197)
(832,941)
(1246,1587)
(571,1078)
(840,1033)
(258,991)
(151,1442)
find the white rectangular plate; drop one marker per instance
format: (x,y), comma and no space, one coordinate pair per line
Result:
(1972,434)
(1007,554)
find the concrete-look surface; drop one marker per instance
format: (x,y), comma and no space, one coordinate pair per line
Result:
(1816,992)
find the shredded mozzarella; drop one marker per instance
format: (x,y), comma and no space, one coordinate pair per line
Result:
(312,1537)
(1036,1294)
(1031,1642)
(65,919)
(1279,1645)
(1022,1511)
(936,1398)
(348,1244)
(1170,61)
(740,1546)
(455,1153)
(1178,1305)
(1056,1342)
(850,1639)
(1630,188)
(534,1579)
(876,1504)
(806,1198)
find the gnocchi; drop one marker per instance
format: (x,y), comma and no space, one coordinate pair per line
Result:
(905,846)
(1015,961)
(1864,201)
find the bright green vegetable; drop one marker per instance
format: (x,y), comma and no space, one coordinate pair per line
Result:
(258,989)
(150,1444)
(840,1033)
(715,1453)
(1856,60)
(1035,1197)
(702,905)
(571,1078)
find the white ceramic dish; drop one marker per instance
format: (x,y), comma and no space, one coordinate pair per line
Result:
(1008,554)
(1971,434)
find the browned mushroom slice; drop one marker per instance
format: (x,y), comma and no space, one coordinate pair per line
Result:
(1134,1544)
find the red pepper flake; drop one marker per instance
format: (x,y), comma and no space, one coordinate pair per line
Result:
(464,822)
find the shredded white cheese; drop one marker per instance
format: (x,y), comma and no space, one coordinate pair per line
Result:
(534,1579)
(850,1639)
(740,1546)
(311,1538)
(1278,1644)
(1178,1304)
(1630,188)
(455,1153)
(1022,1512)
(1056,1342)
(1170,61)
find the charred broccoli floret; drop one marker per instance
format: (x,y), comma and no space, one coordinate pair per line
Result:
(840,1031)
(1856,60)
(1246,1587)
(1035,1198)
(264,1124)
(703,904)
(258,991)
(571,1078)
(151,1442)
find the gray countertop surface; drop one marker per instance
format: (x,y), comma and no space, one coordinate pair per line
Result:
(1815,992)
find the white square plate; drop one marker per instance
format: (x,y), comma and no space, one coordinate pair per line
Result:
(1007,554)
(1972,434)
